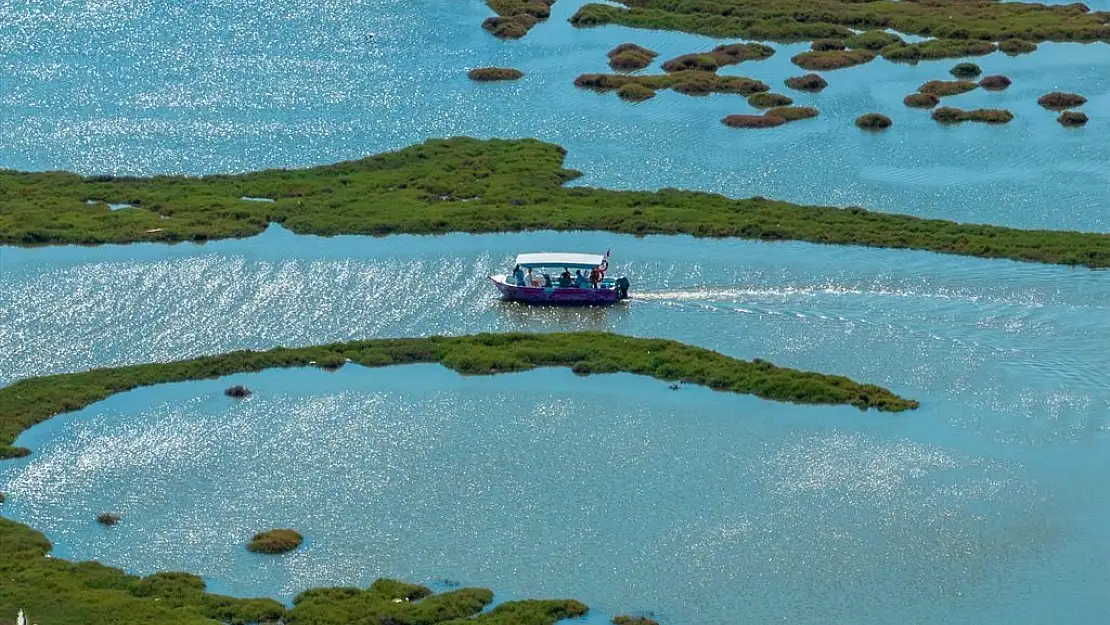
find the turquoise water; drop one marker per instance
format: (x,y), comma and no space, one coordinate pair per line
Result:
(986,505)
(133,86)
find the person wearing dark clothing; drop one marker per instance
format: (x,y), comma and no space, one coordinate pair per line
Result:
(564,278)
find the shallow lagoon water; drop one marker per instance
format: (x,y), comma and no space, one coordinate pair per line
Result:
(702,507)
(132,86)
(985,505)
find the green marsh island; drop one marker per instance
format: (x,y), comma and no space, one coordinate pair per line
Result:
(471,185)
(31,401)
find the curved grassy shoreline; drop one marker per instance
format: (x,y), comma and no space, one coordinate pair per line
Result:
(470,185)
(59,592)
(53,591)
(31,401)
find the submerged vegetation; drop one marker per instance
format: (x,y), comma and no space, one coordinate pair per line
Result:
(628,57)
(53,590)
(275,541)
(485,74)
(809,82)
(793,20)
(34,400)
(470,185)
(873,121)
(951,115)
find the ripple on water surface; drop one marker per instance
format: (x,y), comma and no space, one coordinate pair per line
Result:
(203,87)
(703,507)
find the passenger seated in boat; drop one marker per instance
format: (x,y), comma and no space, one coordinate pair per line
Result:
(580,280)
(531,280)
(564,279)
(546,280)
(518,276)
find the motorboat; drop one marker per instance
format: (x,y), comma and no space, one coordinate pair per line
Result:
(561,278)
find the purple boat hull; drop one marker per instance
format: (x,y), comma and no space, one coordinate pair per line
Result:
(556,295)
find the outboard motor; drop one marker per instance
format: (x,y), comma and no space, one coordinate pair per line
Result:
(622,288)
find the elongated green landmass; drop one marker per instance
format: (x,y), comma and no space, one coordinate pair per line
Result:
(52,591)
(795,20)
(34,400)
(470,185)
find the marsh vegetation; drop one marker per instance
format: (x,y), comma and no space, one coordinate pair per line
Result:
(470,185)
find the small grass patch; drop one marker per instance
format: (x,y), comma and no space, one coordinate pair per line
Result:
(825,45)
(1067,118)
(951,115)
(512,27)
(945,88)
(936,49)
(629,57)
(634,620)
(486,74)
(873,121)
(768,100)
(516,17)
(1014,47)
(752,121)
(729,54)
(793,113)
(965,70)
(833,59)
(635,92)
(1058,101)
(688,82)
(108,518)
(238,391)
(873,40)
(809,82)
(996,82)
(921,100)
(275,541)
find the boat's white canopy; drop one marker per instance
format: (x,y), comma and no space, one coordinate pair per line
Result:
(560,259)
